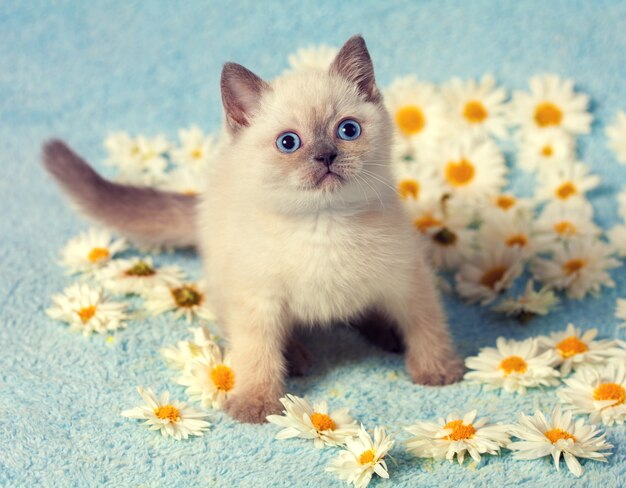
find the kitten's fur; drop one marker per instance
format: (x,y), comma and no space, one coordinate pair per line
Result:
(282,245)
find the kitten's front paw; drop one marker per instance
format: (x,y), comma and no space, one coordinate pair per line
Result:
(252,408)
(444,371)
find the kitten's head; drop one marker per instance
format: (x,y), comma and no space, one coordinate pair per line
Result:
(319,139)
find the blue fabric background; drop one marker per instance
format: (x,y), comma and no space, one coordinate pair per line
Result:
(79,70)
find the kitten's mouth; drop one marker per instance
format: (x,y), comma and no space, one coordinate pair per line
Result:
(330,179)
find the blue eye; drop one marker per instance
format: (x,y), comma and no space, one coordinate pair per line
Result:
(288,142)
(349,130)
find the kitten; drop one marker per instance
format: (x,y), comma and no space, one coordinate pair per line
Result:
(299,225)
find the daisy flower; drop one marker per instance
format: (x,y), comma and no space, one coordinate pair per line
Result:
(363,457)
(562,223)
(506,204)
(528,305)
(568,184)
(580,268)
(87,309)
(558,435)
(172,418)
(137,275)
(180,356)
(415,182)
(197,150)
(209,378)
(185,300)
(91,250)
(487,273)
(300,419)
(576,348)
(508,230)
(599,392)
(513,366)
(476,108)
(617,240)
(140,160)
(184,180)
(551,103)
(471,168)
(456,436)
(312,58)
(616,135)
(620,311)
(545,150)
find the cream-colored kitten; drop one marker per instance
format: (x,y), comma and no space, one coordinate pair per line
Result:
(299,225)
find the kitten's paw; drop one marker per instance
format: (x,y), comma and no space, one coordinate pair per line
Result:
(442,372)
(299,359)
(252,408)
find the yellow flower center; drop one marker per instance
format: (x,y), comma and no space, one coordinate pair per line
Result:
(570,346)
(196,153)
(141,268)
(460,173)
(517,240)
(169,412)
(187,296)
(223,377)
(190,192)
(409,188)
(492,276)
(134,150)
(460,430)
(513,364)
(86,313)
(565,228)
(322,422)
(475,112)
(410,120)
(566,190)
(98,254)
(367,457)
(556,434)
(547,151)
(573,265)
(610,391)
(547,114)
(425,222)
(505,202)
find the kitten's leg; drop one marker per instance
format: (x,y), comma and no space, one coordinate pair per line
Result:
(257,335)
(430,355)
(379,330)
(297,356)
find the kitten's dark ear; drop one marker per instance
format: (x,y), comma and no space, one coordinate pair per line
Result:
(241,94)
(354,64)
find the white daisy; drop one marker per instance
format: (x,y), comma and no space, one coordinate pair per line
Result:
(180,356)
(91,250)
(599,392)
(140,160)
(197,150)
(528,305)
(487,273)
(617,240)
(507,204)
(137,275)
(362,458)
(312,58)
(620,311)
(567,184)
(616,135)
(300,419)
(546,150)
(476,108)
(581,267)
(551,103)
(87,309)
(576,348)
(172,418)
(561,223)
(415,182)
(209,378)
(184,180)
(508,230)
(185,300)
(513,366)
(456,436)
(558,435)
(471,168)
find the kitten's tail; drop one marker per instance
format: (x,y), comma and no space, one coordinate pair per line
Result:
(147,215)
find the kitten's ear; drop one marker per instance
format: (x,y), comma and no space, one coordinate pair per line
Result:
(354,64)
(241,94)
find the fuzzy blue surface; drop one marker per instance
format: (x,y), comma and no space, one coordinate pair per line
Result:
(82,69)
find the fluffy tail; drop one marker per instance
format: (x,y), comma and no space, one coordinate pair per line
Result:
(146,215)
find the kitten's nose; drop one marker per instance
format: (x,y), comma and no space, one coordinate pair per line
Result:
(326,157)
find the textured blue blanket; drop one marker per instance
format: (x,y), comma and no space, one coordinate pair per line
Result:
(79,70)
